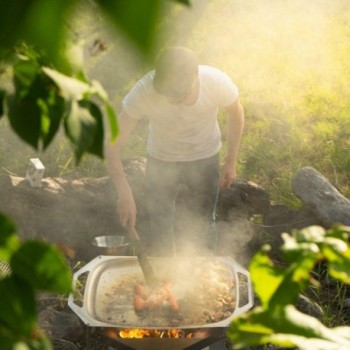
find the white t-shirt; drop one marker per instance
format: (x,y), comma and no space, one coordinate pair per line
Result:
(180,132)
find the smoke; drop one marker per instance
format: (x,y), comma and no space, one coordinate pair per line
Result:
(272,49)
(275,51)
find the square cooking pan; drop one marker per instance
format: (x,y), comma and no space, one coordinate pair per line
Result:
(107,296)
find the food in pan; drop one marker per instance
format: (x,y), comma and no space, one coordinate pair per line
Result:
(146,298)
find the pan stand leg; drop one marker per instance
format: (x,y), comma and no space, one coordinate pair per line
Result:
(88,332)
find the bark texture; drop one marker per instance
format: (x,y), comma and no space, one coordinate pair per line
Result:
(321,197)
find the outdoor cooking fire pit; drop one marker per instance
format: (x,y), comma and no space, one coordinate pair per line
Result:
(209,292)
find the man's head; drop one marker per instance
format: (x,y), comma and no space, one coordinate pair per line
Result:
(176,70)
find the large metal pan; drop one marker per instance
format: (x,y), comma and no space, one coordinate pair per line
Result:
(103,305)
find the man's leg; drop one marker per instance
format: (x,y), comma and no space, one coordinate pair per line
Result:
(162,183)
(198,224)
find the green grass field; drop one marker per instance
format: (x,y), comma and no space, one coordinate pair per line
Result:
(290,62)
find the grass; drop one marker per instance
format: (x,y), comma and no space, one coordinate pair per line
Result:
(292,72)
(296,116)
(58,159)
(330,295)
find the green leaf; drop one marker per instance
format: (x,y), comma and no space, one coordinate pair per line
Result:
(96,146)
(109,111)
(40,23)
(297,247)
(12,14)
(24,116)
(84,122)
(81,128)
(39,341)
(36,340)
(43,26)
(255,327)
(311,234)
(338,257)
(295,278)
(340,232)
(52,111)
(25,72)
(112,120)
(335,248)
(9,242)
(277,321)
(70,88)
(41,266)
(341,271)
(17,305)
(136,18)
(289,328)
(271,282)
(265,276)
(36,109)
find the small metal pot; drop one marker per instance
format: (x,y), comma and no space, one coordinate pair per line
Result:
(111,245)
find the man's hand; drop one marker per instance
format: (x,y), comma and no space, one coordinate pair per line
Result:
(126,208)
(228,174)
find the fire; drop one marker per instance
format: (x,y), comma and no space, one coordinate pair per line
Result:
(138,333)
(134,333)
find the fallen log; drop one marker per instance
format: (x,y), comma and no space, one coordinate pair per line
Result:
(243,196)
(66,212)
(70,212)
(321,197)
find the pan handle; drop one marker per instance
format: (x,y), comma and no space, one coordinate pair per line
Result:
(81,310)
(248,289)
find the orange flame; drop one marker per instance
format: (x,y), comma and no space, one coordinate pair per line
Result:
(134,333)
(138,333)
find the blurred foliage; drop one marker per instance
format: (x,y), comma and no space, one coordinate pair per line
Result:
(44,25)
(297,114)
(49,88)
(34,266)
(46,98)
(49,85)
(276,320)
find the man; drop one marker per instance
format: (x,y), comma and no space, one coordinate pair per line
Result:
(181,100)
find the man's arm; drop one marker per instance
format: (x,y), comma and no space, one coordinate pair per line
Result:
(126,207)
(235,123)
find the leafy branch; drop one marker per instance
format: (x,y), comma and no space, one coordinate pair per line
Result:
(48,98)
(277,320)
(50,89)
(35,266)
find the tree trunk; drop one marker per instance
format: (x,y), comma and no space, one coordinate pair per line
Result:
(321,197)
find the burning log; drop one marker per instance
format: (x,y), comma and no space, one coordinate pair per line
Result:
(321,197)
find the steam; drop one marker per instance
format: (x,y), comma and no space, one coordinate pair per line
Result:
(275,51)
(272,49)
